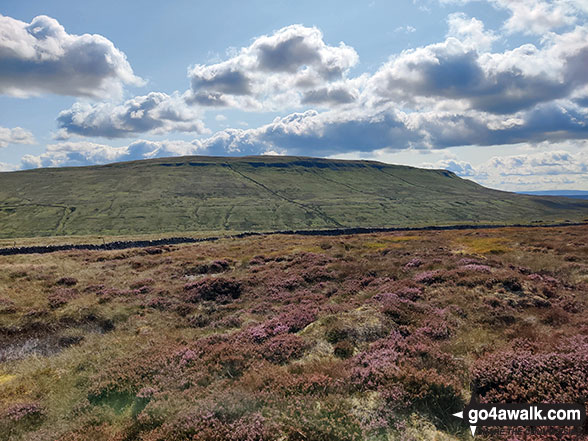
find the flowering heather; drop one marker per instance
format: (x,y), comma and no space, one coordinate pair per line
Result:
(257,260)
(379,364)
(283,348)
(476,268)
(67,281)
(146,392)
(529,375)
(429,277)
(330,338)
(209,425)
(95,288)
(61,296)
(535,277)
(159,302)
(219,289)
(309,260)
(414,263)
(294,319)
(316,274)
(214,267)
(410,293)
(186,356)
(22,411)
(288,282)
(402,311)
(468,261)
(437,329)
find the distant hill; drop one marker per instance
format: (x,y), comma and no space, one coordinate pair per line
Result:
(197,194)
(576,194)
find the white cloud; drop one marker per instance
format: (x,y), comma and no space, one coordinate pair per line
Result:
(470,31)
(335,132)
(289,68)
(4,167)
(154,113)
(314,133)
(556,162)
(17,135)
(537,16)
(273,153)
(555,168)
(405,29)
(275,71)
(460,168)
(88,153)
(41,57)
(501,83)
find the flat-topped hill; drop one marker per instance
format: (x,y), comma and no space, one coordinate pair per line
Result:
(260,193)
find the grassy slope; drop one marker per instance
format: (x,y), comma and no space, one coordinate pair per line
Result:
(254,193)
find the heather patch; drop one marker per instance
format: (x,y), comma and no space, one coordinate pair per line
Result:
(214,267)
(213,289)
(529,373)
(67,281)
(61,296)
(429,277)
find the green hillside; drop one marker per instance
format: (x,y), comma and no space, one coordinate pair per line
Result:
(254,193)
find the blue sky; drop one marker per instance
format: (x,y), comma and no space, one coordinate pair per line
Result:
(493,90)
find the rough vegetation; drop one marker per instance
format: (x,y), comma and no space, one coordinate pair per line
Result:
(364,337)
(211,194)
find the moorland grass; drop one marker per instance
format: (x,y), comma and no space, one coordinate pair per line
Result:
(192,195)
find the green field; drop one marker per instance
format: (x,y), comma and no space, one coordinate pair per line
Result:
(205,194)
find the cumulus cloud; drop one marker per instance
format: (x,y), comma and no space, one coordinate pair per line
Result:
(549,122)
(294,66)
(457,82)
(536,16)
(290,65)
(457,166)
(331,95)
(153,113)
(41,57)
(316,133)
(470,31)
(327,133)
(556,168)
(17,135)
(556,162)
(4,167)
(66,154)
(498,83)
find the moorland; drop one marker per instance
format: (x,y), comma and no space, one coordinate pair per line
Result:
(206,195)
(360,337)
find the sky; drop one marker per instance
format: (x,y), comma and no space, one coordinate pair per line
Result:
(493,90)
